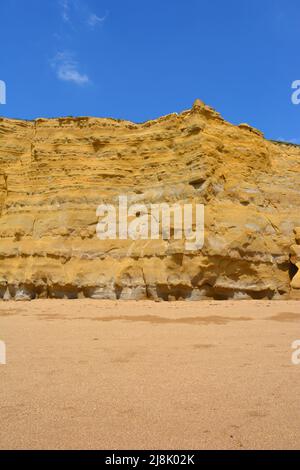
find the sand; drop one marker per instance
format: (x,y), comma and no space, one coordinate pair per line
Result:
(89,374)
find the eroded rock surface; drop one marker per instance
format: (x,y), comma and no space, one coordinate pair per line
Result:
(55,172)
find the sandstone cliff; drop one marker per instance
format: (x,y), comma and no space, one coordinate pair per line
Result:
(55,172)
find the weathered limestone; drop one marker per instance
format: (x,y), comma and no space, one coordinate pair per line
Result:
(55,172)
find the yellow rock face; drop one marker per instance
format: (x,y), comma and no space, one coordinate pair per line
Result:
(55,172)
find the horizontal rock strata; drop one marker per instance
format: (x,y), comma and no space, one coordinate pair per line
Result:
(55,172)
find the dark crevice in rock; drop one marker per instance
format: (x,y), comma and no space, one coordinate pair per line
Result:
(293,270)
(197,184)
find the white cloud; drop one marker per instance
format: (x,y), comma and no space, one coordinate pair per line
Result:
(65,10)
(67,69)
(80,12)
(74,13)
(94,19)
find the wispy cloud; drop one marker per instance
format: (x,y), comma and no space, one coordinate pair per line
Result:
(78,11)
(65,10)
(75,14)
(93,19)
(67,69)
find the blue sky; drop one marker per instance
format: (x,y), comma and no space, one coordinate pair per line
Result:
(138,59)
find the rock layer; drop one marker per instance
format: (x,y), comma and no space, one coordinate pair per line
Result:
(55,172)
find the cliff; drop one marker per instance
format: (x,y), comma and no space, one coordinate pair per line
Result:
(55,172)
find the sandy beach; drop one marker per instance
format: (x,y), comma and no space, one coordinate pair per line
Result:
(90,374)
